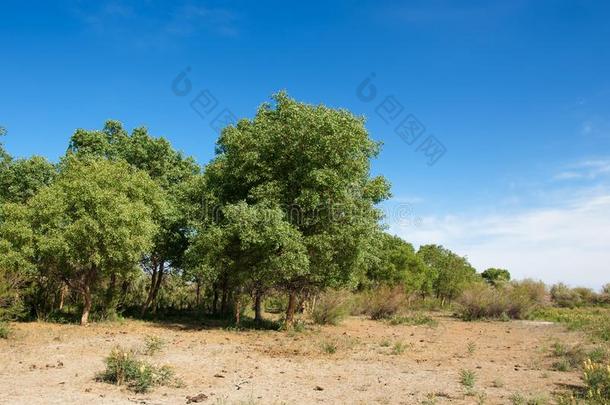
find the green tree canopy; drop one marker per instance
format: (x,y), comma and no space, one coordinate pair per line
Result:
(496,276)
(20,179)
(16,253)
(451,273)
(397,263)
(93,221)
(169,168)
(313,162)
(255,246)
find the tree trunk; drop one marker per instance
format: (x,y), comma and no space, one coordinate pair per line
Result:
(237,308)
(258,312)
(215,301)
(155,284)
(223,301)
(312,307)
(292,306)
(110,306)
(62,296)
(87,300)
(124,290)
(153,279)
(198,301)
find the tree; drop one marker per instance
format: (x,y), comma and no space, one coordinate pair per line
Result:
(94,221)
(395,262)
(313,162)
(21,179)
(496,276)
(16,252)
(256,247)
(451,273)
(170,169)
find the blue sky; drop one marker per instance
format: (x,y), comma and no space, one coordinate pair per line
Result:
(517,92)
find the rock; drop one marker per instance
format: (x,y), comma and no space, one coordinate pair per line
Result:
(196,399)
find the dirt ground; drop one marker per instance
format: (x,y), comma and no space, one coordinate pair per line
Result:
(55,364)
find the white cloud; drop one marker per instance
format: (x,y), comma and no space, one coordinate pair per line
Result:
(586,170)
(569,242)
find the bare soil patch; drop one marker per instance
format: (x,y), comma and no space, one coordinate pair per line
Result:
(373,362)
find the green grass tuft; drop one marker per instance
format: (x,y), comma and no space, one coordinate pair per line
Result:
(124,368)
(468,378)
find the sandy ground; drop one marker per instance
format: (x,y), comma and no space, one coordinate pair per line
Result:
(56,364)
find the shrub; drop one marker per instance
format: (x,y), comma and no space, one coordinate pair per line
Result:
(384,302)
(518,399)
(524,297)
(331,307)
(597,381)
(481,301)
(587,296)
(153,345)
(385,343)
(561,365)
(598,354)
(564,296)
(467,378)
(559,349)
(414,319)
(574,357)
(605,295)
(515,300)
(330,347)
(124,368)
(4,330)
(419,303)
(399,348)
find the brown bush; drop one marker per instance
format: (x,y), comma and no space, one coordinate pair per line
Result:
(566,297)
(331,307)
(383,302)
(515,300)
(525,296)
(605,295)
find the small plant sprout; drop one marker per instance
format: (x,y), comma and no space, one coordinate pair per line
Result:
(471,347)
(467,378)
(329,347)
(399,348)
(385,343)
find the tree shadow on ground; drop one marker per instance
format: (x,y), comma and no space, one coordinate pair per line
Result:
(185,320)
(189,321)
